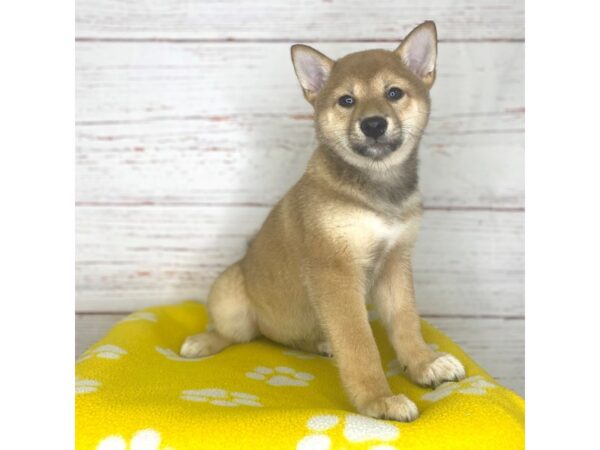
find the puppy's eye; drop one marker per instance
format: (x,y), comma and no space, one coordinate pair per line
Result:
(346,101)
(395,93)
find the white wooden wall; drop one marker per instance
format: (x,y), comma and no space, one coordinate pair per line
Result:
(190,125)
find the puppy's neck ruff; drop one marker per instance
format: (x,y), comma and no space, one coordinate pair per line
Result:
(380,186)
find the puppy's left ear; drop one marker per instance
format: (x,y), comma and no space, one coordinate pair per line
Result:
(312,69)
(419,52)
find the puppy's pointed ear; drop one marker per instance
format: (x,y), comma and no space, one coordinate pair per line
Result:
(419,52)
(312,69)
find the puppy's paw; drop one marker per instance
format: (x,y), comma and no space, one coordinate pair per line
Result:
(444,368)
(203,344)
(395,407)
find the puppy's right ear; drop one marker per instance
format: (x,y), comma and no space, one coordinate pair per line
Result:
(312,69)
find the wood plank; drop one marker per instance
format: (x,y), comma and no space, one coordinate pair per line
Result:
(466,262)
(214,123)
(496,344)
(479,86)
(250,160)
(305,20)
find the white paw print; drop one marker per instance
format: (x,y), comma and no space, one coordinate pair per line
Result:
(280,376)
(357,429)
(476,385)
(104,351)
(220,397)
(140,315)
(86,386)
(142,440)
(170,354)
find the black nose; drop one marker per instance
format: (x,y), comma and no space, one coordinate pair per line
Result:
(373,126)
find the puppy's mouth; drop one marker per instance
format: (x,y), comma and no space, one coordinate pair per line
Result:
(376,150)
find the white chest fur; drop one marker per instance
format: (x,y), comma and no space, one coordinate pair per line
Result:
(388,234)
(369,235)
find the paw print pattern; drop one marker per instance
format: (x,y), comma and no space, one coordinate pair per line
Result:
(220,397)
(142,440)
(86,386)
(280,376)
(104,351)
(476,385)
(357,429)
(170,354)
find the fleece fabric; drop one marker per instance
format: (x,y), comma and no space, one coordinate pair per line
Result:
(133,391)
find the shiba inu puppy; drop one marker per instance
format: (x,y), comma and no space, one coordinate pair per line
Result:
(345,231)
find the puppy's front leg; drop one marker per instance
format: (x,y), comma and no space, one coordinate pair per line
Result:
(394,298)
(338,296)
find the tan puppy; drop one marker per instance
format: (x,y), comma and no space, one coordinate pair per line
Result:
(345,232)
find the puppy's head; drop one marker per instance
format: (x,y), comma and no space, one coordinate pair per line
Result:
(371,107)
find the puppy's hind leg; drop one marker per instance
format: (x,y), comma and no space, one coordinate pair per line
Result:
(204,344)
(232,314)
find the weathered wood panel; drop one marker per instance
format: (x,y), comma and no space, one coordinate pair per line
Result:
(496,344)
(246,160)
(466,262)
(303,20)
(479,85)
(191,123)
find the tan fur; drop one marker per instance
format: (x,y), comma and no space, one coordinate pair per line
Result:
(341,235)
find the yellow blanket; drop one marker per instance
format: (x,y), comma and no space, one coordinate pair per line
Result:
(134,392)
